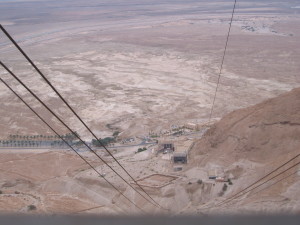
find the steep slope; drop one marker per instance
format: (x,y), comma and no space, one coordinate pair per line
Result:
(260,133)
(248,143)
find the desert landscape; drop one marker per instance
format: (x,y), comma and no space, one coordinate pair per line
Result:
(143,74)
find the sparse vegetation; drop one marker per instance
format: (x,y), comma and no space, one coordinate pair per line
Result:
(31,207)
(79,143)
(20,141)
(225,186)
(142,149)
(1,192)
(154,136)
(199,181)
(230,182)
(105,141)
(116,133)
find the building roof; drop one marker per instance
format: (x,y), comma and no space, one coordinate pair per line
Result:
(212,173)
(179,154)
(184,146)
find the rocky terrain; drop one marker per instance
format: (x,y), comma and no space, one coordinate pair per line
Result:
(243,146)
(148,72)
(141,68)
(249,143)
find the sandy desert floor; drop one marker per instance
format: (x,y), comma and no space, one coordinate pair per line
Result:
(146,75)
(135,71)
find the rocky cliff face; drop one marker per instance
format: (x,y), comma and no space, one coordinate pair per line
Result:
(249,143)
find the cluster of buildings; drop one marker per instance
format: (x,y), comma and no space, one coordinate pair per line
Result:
(178,150)
(179,154)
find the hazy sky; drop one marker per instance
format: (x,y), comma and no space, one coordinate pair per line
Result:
(55,12)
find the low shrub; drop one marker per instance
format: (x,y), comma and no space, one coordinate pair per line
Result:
(31,207)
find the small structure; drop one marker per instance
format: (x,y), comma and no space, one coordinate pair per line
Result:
(212,174)
(220,179)
(182,149)
(177,168)
(180,157)
(199,125)
(216,173)
(191,126)
(166,146)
